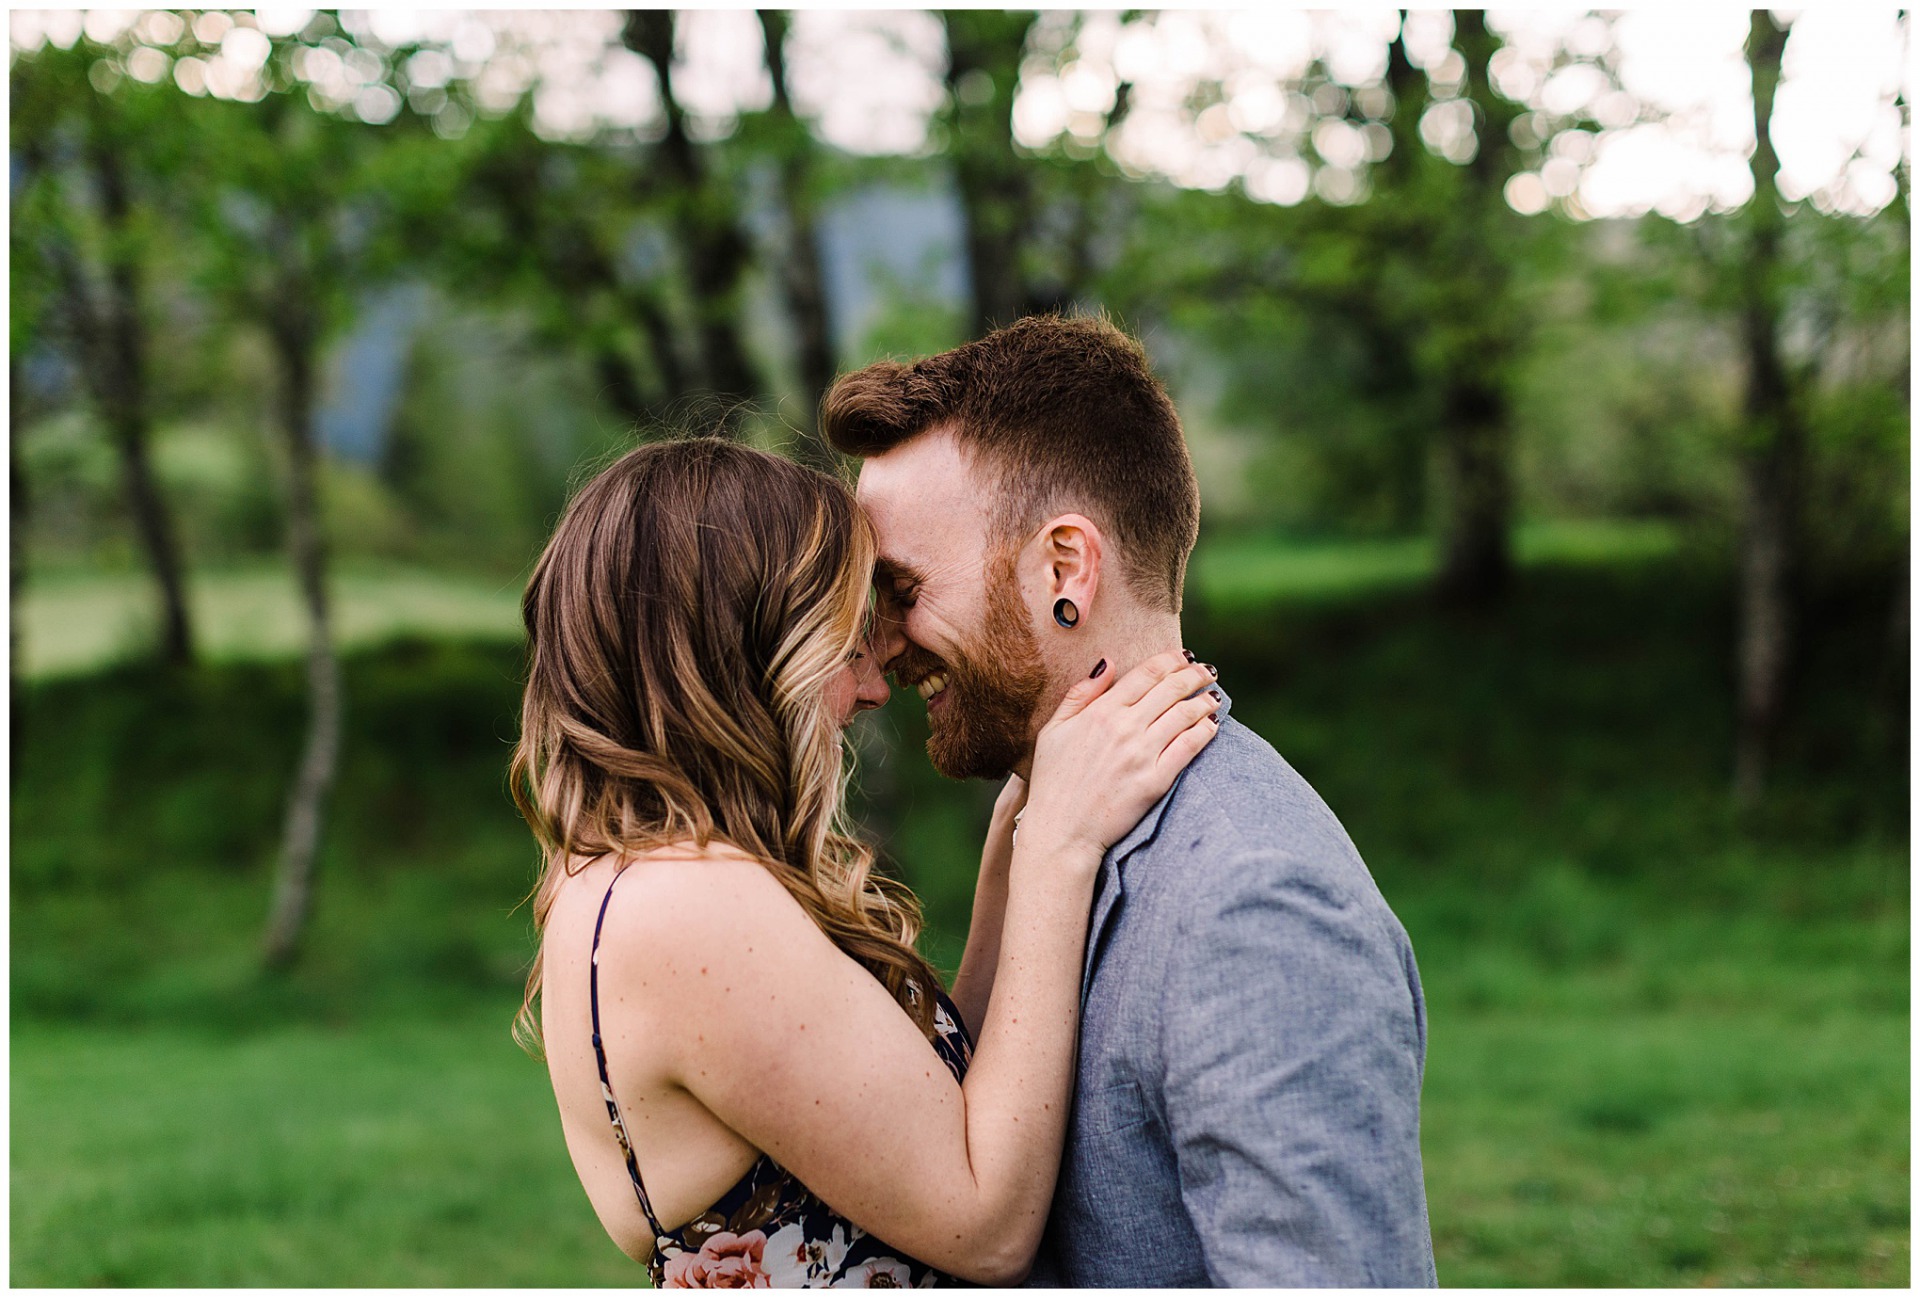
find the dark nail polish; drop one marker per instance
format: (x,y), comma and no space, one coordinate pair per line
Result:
(1097,669)
(1218,697)
(1211,717)
(1189,654)
(1215,670)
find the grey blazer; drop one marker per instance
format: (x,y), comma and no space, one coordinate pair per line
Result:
(1247,1104)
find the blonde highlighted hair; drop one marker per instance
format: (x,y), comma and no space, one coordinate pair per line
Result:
(683,625)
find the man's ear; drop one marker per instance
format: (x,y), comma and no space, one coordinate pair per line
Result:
(1073,549)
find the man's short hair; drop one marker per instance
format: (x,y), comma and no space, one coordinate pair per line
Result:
(1066,415)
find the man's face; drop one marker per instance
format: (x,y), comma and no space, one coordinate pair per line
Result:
(970,647)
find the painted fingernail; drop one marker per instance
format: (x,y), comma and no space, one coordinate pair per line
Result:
(1218,697)
(1097,669)
(1189,654)
(1211,717)
(1215,670)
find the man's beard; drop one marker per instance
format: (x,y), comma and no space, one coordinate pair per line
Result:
(993,687)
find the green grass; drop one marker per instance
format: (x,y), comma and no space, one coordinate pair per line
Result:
(412,1151)
(1249,571)
(80,622)
(1668,1147)
(1669,1046)
(1673,1146)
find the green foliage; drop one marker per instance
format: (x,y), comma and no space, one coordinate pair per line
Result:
(1311,347)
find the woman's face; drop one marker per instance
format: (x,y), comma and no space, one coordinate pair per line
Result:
(862,681)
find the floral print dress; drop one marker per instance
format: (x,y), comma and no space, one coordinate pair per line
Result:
(770,1231)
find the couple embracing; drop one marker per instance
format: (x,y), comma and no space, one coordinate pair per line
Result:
(1185,1043)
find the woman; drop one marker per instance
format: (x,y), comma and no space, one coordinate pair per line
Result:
(738,1028)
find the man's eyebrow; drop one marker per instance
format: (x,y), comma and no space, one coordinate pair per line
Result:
(896,570)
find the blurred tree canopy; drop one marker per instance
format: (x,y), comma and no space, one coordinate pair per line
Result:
(376,292)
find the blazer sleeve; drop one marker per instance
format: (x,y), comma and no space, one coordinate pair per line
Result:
(1293,1044)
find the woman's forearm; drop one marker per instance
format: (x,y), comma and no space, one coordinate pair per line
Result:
(1020,1083)
(973,985)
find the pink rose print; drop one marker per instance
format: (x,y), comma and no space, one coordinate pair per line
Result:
(725,1261)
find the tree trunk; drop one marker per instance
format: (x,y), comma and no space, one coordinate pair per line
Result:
(1476,566)
(295,342)
(112,344)
(1773,452)
(17,520)
(984,48)
(1899,659)
(801,276)
(705,219)
(1476,559)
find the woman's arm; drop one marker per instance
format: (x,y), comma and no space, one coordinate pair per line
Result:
(973,985)
(799,1050)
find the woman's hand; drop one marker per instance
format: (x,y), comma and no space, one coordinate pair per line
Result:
(1114,748)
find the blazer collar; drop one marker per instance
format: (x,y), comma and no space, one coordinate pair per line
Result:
(1108,888)
(1143,832)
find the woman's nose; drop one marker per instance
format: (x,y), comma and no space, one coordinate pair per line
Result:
(873,691)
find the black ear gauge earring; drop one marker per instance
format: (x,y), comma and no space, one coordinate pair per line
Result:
(1066,614)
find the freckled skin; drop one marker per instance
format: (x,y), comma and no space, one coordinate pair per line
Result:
(861,684)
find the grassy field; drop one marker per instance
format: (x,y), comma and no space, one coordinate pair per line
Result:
(72,624)
(1668,1046)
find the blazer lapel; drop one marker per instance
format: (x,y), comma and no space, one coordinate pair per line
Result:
(1109,888)
(1106,896)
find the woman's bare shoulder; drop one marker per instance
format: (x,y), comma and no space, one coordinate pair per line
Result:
(692,900)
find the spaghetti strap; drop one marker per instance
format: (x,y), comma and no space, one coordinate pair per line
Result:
(606,1084)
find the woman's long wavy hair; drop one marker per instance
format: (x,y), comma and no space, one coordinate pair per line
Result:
(683,626)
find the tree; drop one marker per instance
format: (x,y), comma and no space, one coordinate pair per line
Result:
(1427,276)
(984,48)
(28,295)
(1409,278)
(703,216)
(17,520)
(1823,431)
(1476,352)
(300,215)
(93,154)
(1774,440)
(801,278)
(550,224)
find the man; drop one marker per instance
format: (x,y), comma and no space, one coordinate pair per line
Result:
(1246,1107)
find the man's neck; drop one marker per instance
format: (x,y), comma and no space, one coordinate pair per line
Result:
(1124,647)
